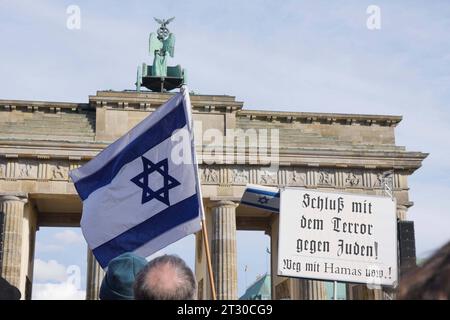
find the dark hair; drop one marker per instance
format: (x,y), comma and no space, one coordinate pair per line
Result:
(430,281)
(183,288)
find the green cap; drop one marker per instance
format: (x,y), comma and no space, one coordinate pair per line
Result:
(119,279)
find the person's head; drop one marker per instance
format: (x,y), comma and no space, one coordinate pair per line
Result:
(118,281)
(430,281)
(165,278)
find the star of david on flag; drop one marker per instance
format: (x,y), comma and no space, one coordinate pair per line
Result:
(142,192)
(141,180)
(262,197)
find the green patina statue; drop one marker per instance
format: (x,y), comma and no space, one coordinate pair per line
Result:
(159,76)
(161,44)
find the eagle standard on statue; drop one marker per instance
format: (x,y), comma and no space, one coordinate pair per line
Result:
(159,77)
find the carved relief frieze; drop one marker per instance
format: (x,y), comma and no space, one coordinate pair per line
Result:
(240,176)
(267,177)
(325,178)
(58,171)
(377,180)
(210,175)
(40,168)
(26,169)
(353,179)
(338,178)
(296,177)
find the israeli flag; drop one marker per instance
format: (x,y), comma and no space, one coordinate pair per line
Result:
(141,193)
(262,197)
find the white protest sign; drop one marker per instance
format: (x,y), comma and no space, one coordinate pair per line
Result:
(337,237)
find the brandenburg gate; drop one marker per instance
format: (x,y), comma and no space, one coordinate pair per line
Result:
(41,141)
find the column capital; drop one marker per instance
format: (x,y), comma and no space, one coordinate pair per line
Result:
(402,211)
(223,203)
(14,196)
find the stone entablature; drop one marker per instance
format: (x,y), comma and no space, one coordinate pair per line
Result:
(39,176)
(299,177)
(41,169)
(53,167)
(47,169)
(20,160)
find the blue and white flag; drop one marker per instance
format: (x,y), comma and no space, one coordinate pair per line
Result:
(141,193)
(262,197)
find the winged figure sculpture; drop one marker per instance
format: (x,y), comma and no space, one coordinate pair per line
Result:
(161,44)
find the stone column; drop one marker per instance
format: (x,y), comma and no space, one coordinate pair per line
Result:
(223,243)
(12,205)
(401,212)
(95,276)
(362,292)
(349,291)
(311,290)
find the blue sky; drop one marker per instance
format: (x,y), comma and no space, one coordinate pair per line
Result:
(273,55)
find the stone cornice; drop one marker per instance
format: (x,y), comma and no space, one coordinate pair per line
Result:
(398,160)
(51,149)
(126,100)
(323,118)
(23,105)
(149,101)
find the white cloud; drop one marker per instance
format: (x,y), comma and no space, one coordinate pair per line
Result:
(50,271)
(53,281)
(69,237)
(57,291)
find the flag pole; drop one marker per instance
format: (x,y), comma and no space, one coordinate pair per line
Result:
(208,259)
(185,92)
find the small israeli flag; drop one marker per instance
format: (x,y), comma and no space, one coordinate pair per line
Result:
(262,197)
(141,193)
